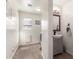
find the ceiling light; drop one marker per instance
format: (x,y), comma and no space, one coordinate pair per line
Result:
(38,9)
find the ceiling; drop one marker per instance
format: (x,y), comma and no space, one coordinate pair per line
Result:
(29,5)
(60,3)
(34,5)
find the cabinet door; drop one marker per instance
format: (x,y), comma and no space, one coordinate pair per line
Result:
(57,46)
(25,30)
(60,45)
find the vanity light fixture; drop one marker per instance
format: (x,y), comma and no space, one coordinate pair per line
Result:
(56,10)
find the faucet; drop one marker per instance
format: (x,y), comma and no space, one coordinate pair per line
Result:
(54,32)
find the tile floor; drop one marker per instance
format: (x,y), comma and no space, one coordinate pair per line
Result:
(32,52)
(63,56)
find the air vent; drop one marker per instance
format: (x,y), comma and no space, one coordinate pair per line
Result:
(30,5)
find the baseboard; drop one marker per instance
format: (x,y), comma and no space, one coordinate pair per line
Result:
(43,56)
(71,53)
(29,44)
(13,52)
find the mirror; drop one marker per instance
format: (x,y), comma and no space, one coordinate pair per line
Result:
(57,22)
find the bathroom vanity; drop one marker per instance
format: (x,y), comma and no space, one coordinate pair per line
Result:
(57,44)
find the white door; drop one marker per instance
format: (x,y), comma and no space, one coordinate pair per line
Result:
(25,30)
(30,28)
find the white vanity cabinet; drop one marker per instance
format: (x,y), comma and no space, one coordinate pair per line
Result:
(57,44)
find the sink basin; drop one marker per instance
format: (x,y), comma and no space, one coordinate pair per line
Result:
(57,36)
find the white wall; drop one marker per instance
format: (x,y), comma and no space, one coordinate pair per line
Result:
(32,34)
(12,35)
(12,42)
(67,17)
(47,40)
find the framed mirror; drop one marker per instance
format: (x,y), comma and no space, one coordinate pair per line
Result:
(57,22)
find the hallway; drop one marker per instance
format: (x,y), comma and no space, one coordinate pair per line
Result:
(48,22)
(30,52)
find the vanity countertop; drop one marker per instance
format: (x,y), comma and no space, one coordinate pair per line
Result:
(57,36)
